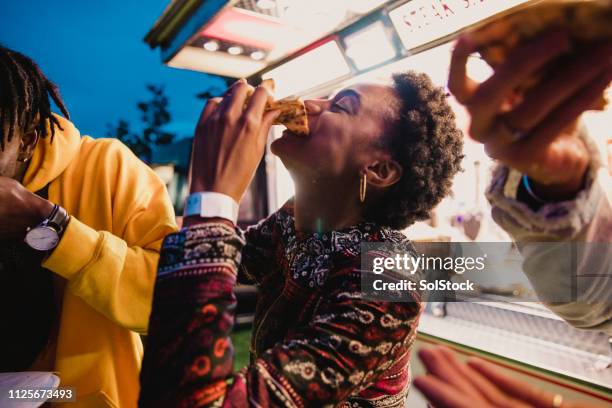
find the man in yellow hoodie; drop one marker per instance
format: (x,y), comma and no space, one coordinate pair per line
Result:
(81,224)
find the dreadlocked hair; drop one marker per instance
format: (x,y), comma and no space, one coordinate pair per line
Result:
(24,97)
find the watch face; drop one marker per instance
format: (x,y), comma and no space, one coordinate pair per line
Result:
(42,238)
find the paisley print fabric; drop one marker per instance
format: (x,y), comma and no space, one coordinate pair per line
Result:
(316,342)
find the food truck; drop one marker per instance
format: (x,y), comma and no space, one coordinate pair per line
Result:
(314,48)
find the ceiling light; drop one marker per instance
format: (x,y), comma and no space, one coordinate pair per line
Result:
(257,55)
(248,29)
(235,50)
(266,4)
(211,46)
(220,63)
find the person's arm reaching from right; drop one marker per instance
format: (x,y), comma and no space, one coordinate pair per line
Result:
(586,219)
(539,137)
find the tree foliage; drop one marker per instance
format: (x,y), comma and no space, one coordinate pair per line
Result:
(215,90)
(154,115)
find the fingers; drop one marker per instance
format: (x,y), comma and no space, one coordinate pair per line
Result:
(269,85)
(485,387)
(228,92)
(460,85)
(211,105)
(569,112)
(231,109)
(257,105)
(550,94)
(233,104)
(519,66)
(445,366)
(269,118)
(256,119)
(519,389)
(222,109)
(441,394)
(266,123)
(540,146)
(485,103)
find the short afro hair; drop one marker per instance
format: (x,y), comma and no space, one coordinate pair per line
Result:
(423,138)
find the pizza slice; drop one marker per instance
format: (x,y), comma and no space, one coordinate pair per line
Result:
(293,111)
(586,21)
(293,115)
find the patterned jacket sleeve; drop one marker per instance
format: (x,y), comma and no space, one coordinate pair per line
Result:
(188,359)
(258,252)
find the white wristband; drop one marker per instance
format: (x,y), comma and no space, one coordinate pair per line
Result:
(212,205)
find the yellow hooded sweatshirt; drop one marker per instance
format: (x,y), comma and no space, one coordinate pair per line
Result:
(120,213)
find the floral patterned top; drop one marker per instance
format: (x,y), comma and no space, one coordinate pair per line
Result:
(316,342)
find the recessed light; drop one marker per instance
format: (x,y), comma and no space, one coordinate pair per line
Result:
(235,50)
(211,45)
(266,4)
(257,55)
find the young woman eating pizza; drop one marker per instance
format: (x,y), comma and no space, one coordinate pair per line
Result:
(377,158)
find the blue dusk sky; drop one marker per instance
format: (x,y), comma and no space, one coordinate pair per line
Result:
(94,52)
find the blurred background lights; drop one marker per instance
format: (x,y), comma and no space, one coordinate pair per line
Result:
(266,4)
(211,46)
(235,50)
(257,55)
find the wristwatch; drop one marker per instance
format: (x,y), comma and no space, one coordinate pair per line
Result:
(46,235)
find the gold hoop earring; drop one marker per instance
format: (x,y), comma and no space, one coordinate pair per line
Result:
(363,185)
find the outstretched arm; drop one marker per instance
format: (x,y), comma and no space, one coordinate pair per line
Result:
(538,136)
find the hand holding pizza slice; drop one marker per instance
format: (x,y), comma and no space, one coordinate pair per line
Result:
(551,62)
(292,111)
